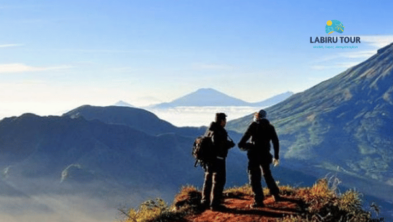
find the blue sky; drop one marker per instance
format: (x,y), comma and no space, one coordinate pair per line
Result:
(56,55)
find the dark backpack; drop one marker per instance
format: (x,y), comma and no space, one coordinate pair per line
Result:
(203,149)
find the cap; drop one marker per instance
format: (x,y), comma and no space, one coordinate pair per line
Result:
(262,114)
(220,116)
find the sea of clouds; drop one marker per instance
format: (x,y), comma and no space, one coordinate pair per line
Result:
(201,116)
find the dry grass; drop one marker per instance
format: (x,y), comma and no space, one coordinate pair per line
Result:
(321,202)
(238,191)
(186,202)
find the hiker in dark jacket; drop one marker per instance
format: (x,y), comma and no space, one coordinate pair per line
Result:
(215,172)
(261,133)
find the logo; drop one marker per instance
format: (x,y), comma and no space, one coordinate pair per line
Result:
(334,26)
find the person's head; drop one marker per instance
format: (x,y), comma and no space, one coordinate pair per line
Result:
(221,118)
(260,115)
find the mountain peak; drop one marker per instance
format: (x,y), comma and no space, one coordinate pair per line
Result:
(204,97)
(29,115)
(212,97)
(122,103)
(139,119)
(207,90)
(25,117)
(386,48)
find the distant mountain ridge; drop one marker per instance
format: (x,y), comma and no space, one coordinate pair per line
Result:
(110,152)
(139,119)
(70,154)
(136,118)
(122,103)
(273,100)
(212,97)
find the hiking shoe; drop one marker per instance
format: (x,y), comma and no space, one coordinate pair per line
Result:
(276,198)
(203,206)
(217,208)
(257,205)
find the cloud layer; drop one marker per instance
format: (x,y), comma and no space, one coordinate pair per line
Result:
(9,45)
(18,67)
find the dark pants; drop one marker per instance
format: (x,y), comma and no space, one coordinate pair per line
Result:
(254,174)
(215,177)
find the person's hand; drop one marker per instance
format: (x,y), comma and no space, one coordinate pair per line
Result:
(231,144)
(276,162)
(241,146)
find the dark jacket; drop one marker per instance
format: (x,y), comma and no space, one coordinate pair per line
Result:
(261,133)
(220,139)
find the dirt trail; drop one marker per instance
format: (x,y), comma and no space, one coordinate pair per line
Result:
(238,209)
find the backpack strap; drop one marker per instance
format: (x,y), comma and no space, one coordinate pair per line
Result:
(209,133)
